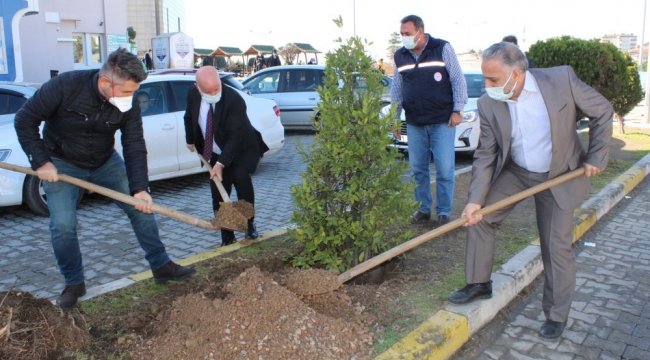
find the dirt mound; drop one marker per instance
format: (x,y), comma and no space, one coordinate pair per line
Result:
(258,319)
(35,329)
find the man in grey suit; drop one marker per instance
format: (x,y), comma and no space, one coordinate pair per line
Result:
(527,137)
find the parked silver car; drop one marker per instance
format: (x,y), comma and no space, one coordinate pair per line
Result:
(293,88)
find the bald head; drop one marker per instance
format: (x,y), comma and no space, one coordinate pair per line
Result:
(208,81)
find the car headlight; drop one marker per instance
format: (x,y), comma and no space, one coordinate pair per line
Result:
(469,116)
(4,154)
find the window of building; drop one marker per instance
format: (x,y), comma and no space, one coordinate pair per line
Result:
(87,50)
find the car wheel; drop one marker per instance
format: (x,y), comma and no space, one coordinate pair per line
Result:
(35,198)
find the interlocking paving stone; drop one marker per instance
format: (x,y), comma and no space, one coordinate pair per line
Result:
(610,316)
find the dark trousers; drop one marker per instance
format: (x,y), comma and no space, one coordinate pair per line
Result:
(232,175)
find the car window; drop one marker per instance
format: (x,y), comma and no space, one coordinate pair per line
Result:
(475,85)
(10,104)
(152,99)
(180,89)
(264,83)
(301,80)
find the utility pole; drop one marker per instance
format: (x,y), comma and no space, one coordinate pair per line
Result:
(354,16)
(646,107)
(645,3)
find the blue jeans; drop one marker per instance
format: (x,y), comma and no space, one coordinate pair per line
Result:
(62,202)
(438,140)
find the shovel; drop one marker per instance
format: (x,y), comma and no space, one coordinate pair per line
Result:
(158,209)
(333,284)
(231,215)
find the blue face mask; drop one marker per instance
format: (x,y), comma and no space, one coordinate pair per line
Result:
(211,99)
(498,93)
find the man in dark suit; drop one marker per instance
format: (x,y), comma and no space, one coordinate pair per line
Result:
(527,137)
(273,60)
(218,113)
(148,60)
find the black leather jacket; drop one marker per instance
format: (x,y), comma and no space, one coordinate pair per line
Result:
(80,126)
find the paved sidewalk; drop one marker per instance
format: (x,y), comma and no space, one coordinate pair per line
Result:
(610,315)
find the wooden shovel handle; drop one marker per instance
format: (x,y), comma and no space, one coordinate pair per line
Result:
(158,209)
(389,254)
(222,190)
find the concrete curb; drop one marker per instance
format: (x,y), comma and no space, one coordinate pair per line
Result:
(446,331)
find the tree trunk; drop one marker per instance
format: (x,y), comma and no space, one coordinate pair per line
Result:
(621,126)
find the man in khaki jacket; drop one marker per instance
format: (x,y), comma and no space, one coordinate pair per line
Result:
(528,136)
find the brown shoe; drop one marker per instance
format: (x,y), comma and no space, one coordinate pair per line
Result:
(172,271)
(443,220)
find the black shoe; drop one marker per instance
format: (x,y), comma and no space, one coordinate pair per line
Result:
(419,217)
(71,293)
(251,233)
(227,237)
(443,220)
(472,292)
(551,329)
(172,271)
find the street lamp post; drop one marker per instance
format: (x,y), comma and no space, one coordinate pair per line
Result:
(354,16)
(260,34)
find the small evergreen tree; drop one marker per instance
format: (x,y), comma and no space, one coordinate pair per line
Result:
(630,94)
(351,195)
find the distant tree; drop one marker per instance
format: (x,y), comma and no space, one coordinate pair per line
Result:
(289,53)
(630,93)
(131,33)
(645,65)
(600,65)
(394,43)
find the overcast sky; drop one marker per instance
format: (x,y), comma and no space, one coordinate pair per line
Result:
(474,24)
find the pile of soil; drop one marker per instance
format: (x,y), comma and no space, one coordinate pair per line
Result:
(35,329)
(258,319)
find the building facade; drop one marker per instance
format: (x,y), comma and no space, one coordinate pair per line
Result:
(41,38)
(624,42)
(150,18)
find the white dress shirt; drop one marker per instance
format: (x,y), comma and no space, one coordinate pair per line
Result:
(531,146)
(203,118)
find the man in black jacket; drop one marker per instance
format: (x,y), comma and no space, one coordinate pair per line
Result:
(273,60)
(218,113)
(82,111)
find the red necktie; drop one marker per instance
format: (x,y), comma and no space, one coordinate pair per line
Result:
(207,148)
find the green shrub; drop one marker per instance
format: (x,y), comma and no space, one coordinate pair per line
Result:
(351,198)
(600,65)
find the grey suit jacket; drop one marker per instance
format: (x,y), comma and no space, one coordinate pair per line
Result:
(563,94)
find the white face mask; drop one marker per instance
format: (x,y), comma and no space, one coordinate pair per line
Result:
(122,103)
(409,41)
(498,93)
(211,99)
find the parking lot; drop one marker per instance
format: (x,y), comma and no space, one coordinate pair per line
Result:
(109,248)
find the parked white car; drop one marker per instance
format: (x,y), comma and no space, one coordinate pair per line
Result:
(467,133)
(164,132)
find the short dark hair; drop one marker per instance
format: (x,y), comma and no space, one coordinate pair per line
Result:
(123,65)
(510,39)
(508,53)
(416,20)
